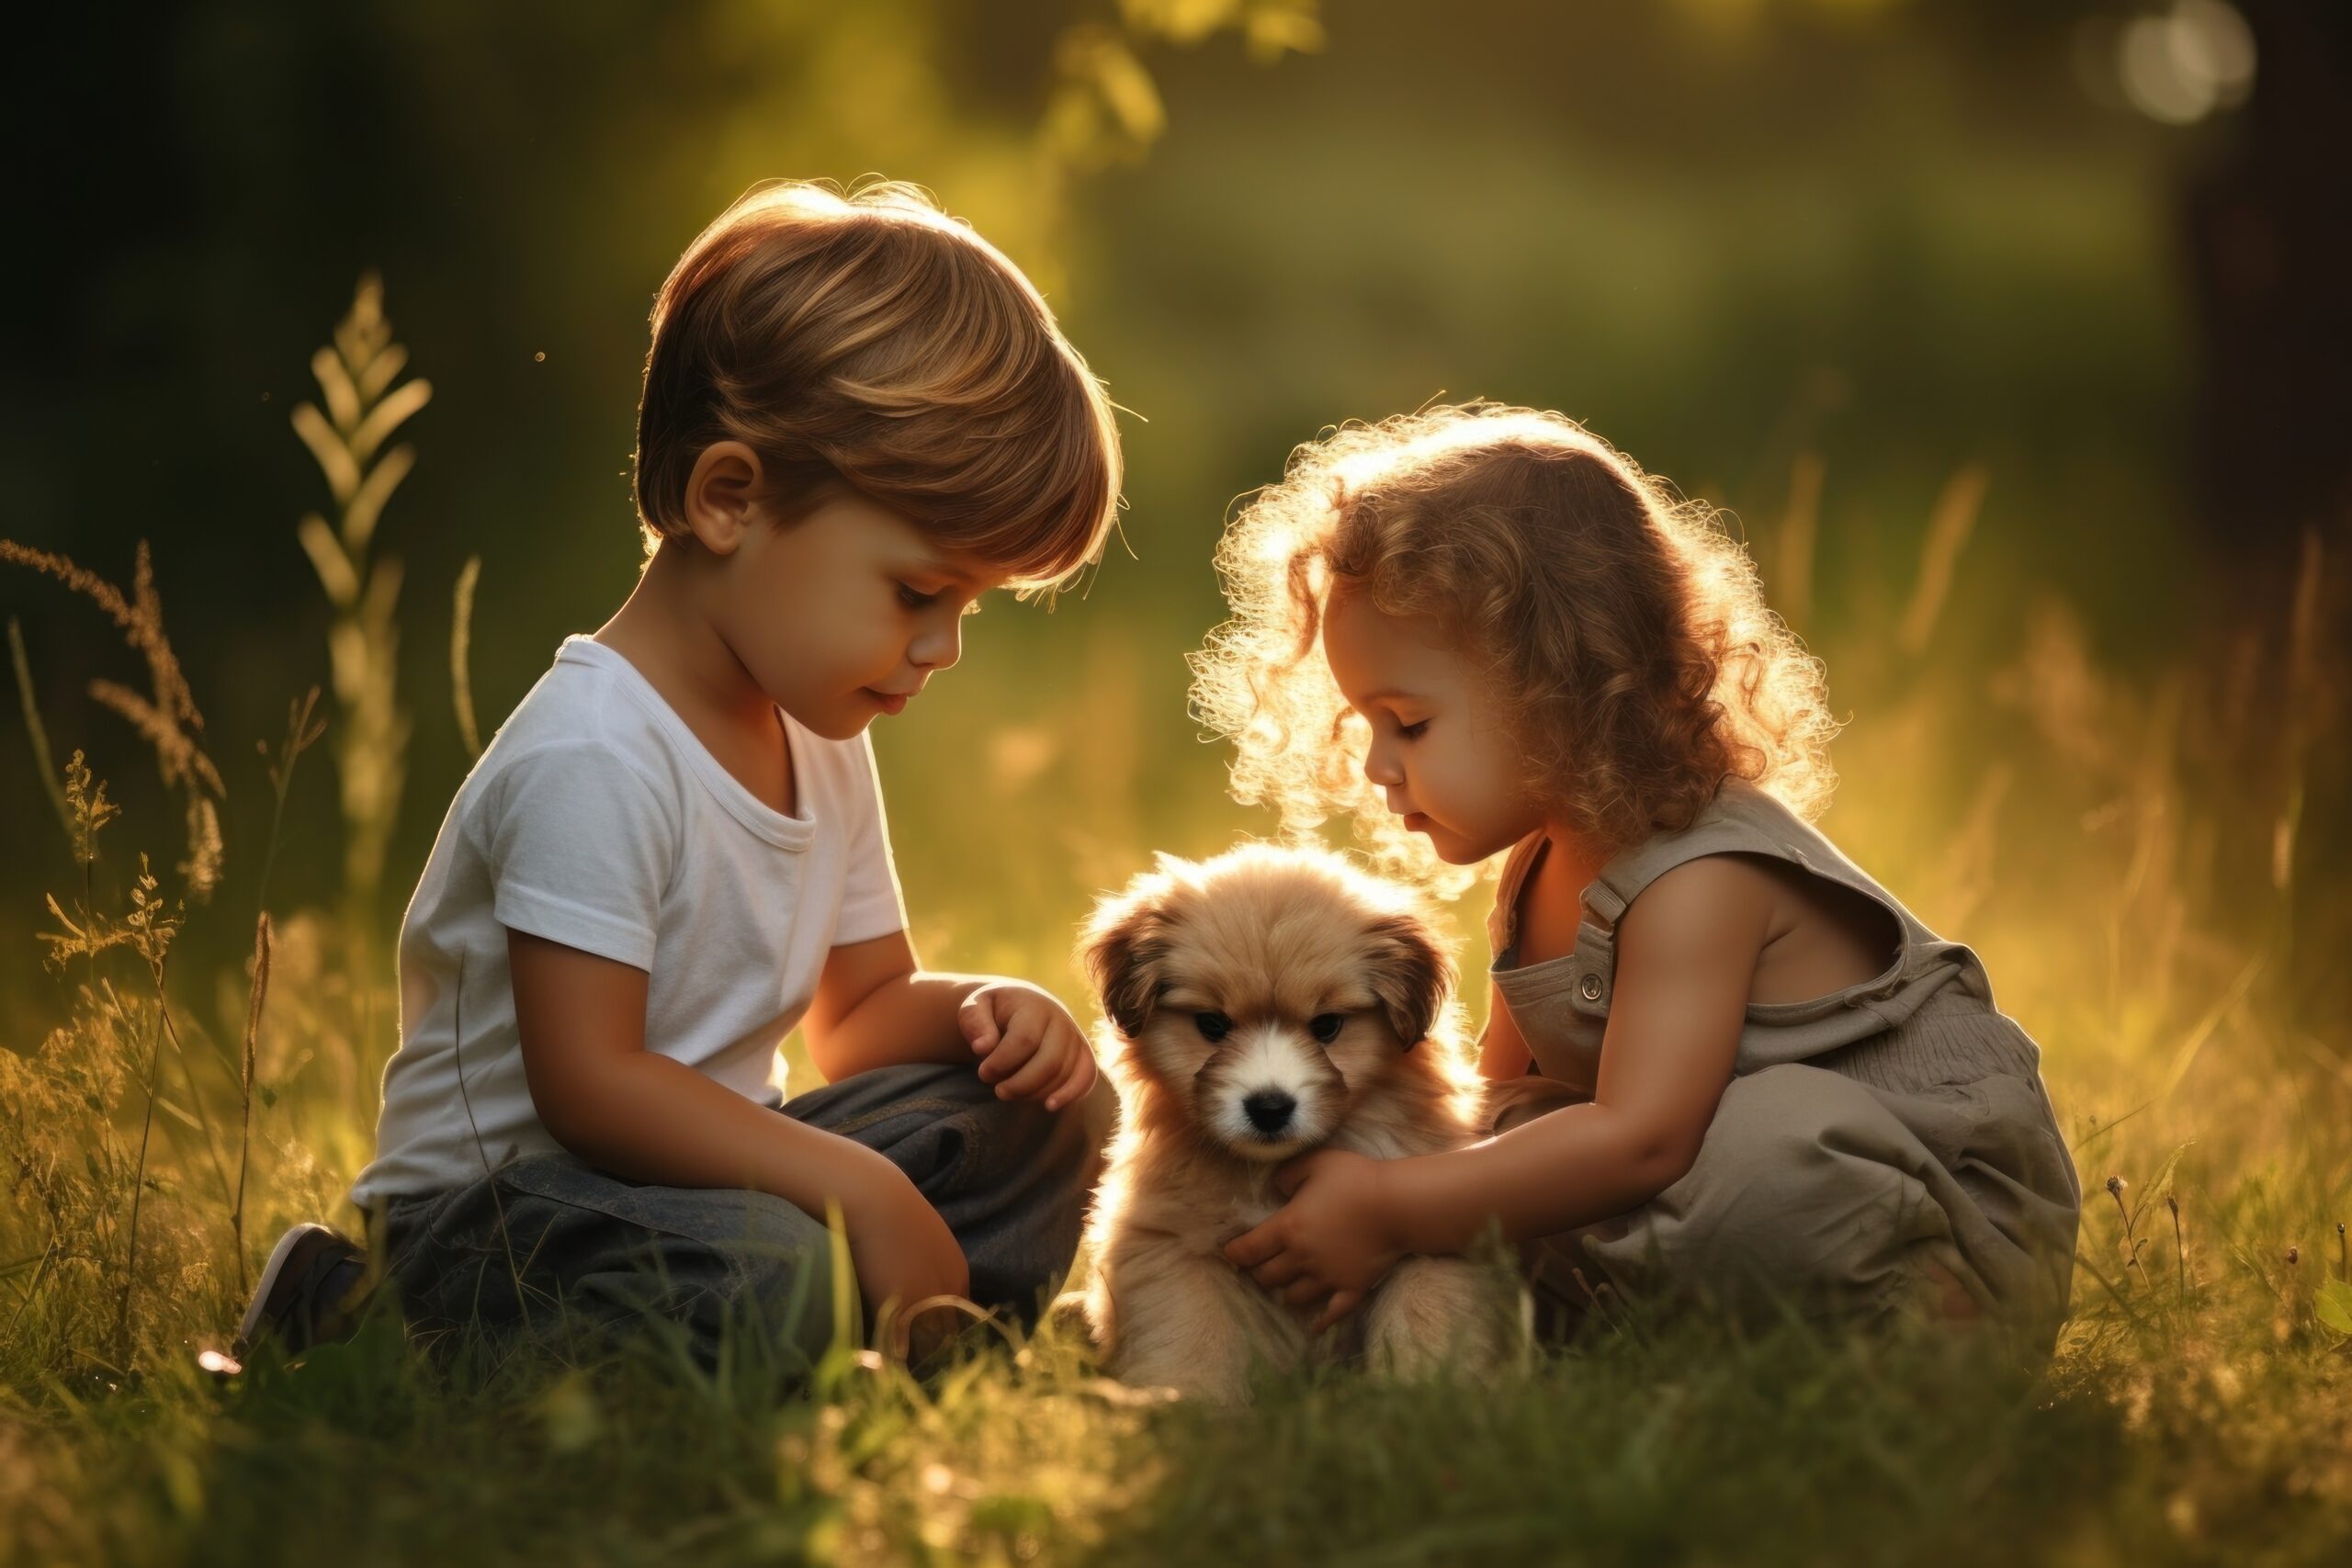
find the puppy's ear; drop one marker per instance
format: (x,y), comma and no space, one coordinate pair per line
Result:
(1124,948)
(1410,974)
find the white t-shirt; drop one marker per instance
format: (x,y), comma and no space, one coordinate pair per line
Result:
(596,820)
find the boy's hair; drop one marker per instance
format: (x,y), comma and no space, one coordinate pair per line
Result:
(1626,632)
(865,341)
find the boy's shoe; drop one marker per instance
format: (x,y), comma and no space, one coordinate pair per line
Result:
(306,1293)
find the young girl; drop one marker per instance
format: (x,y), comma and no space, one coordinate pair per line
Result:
(1730,1065)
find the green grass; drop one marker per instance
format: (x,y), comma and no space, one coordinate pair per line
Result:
(2197,1408)
(2165,1431)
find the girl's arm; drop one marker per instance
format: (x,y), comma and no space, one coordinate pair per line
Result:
(1686,960)
(1502,1054)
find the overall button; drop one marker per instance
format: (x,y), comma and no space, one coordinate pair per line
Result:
(1590,987)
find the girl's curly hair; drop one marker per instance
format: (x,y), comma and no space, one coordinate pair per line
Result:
(1626,631)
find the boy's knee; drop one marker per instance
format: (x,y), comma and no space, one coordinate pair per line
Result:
(571,1250)
(1070,1125)
(785,1304)
(760,1277)
(1068,1140)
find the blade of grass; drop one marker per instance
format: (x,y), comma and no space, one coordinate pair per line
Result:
(35,735)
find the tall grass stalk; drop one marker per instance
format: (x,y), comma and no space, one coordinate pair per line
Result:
(167,719)
(258,993)
(36,734)
(462,630)
(1792,546)
(303,729)
(2303,715)
(357,372)
(138,1191)
(1949,523)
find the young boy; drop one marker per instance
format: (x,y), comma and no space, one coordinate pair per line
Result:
(857,417)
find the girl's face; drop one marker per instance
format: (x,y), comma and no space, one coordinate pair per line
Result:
(1439,748)
(845,614)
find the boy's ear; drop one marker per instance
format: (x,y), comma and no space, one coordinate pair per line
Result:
(724,495)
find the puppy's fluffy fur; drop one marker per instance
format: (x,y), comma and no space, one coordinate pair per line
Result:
(1263,1003)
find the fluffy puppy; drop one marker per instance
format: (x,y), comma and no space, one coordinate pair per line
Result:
(1263,1003)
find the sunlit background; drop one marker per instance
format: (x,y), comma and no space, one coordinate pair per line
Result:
(2012,336)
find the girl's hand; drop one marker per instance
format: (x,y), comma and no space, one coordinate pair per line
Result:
(1029,1045)
(1334,1238)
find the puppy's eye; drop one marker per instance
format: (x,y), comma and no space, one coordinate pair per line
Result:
(1214,1026)
(1326,1026)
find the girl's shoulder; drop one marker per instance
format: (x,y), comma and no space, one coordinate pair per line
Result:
(1819,885)
(1742,818)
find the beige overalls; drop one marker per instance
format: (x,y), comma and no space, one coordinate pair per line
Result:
(1864,1134)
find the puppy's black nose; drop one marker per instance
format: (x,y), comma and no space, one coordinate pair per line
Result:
(1269,1109)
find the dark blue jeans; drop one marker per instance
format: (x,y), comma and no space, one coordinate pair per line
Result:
(550,1239)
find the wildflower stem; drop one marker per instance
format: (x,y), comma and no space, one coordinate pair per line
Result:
(302,729)
(253,1000)
(195,1095)
(2132,1243)
(139,1183)
(49,1255)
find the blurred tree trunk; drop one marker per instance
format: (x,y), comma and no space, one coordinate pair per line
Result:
(2270,248)
(2270,260)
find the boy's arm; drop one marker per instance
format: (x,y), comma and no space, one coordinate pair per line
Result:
(649,1118)
(874,1007)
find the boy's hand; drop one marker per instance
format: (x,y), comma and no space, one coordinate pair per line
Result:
(902,1250)
(1029,1045)
(1333,1239)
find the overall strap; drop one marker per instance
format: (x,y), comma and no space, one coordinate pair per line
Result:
(1740,819)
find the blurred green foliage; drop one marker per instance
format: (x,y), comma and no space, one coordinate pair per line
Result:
(1901,283)
(1899,237)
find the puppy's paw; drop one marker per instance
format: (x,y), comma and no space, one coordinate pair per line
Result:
(1433,1315)
(1068,1317)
